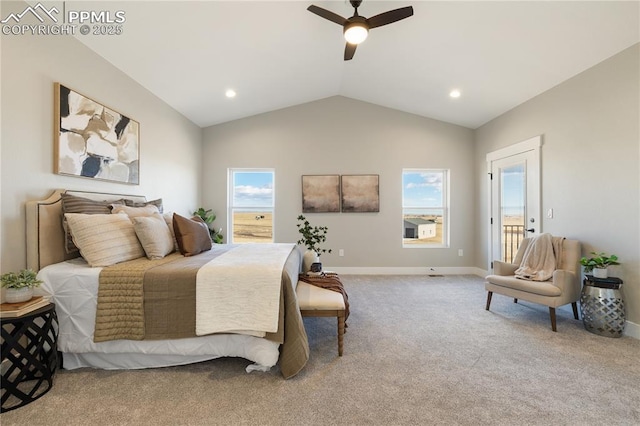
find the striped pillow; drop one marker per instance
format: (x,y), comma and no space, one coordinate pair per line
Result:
(104,239)
(75,204)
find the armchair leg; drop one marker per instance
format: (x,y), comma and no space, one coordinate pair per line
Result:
(552,314)
(574,305)
(515,300)
(489,294)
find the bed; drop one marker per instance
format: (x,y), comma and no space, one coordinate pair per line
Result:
(74,286)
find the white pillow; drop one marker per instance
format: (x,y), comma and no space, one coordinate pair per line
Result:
(132,212)
(104,239)
(168,218)
(154,234)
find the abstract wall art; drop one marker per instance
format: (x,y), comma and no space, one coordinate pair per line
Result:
(320,193)
(94,141)
(360,193)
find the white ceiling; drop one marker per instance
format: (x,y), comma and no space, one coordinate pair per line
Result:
(277,54)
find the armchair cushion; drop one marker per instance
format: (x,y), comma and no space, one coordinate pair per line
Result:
(543,288)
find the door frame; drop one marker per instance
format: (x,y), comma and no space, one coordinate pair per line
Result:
(531,145)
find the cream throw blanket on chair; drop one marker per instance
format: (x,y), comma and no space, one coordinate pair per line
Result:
(539,258)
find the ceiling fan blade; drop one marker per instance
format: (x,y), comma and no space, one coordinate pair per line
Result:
(390,17)
(349,51)
(326,14)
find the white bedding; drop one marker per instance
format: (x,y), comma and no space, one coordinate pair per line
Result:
(73,286)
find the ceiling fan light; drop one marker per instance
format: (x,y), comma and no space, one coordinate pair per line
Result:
(356,33)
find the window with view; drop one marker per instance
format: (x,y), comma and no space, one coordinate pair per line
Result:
(425,208)
(251,205)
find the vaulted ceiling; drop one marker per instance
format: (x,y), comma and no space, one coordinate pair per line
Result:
(278,54)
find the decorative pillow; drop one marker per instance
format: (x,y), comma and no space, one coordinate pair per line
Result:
(104,239)
(132,212)
(154,234)
(157,203)
(168,218)
(74,204)
(192,235)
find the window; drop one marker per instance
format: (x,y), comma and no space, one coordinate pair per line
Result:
(425,208)
(251,205)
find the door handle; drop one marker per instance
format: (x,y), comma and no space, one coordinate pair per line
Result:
(531,230)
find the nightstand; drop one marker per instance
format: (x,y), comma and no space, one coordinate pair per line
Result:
(29,356)
(602,306)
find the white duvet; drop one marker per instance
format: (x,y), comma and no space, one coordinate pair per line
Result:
(73,286)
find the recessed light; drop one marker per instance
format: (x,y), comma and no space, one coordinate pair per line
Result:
(230,93)
(455,93)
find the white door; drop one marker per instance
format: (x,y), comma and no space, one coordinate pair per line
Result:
(515,198)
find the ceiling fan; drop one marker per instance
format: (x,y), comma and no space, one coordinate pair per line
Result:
(357,27)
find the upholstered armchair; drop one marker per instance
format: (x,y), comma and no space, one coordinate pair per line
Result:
(561,289)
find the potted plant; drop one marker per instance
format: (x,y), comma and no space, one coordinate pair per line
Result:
(312,237)
(19,286)
(598,264)
(208,217)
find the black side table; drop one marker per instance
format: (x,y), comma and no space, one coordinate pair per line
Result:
(29,356)
(602,306)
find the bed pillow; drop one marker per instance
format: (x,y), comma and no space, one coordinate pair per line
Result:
(192,235)
(135,211)
(74,204)
(157,203)
(104,239)
(154,235)
(168,218)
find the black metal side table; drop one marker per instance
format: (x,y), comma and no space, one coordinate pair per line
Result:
(29,356)
(602,306)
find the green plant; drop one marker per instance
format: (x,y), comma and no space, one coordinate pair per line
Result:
(24,278)
(208,217)
(312,236)
(598,260)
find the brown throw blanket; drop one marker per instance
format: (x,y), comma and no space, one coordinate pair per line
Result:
(329,281)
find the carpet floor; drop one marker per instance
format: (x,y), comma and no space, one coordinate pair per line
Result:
(419,350)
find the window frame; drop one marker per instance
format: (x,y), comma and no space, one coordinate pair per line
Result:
(231,207)
(445,208)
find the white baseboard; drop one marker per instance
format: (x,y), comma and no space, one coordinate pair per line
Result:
(632,329)
(390,270)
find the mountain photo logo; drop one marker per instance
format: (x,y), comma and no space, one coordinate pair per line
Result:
(33,11)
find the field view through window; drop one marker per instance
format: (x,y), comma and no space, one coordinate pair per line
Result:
(424,208)
(251,205)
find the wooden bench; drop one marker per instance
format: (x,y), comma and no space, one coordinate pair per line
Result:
(319,302)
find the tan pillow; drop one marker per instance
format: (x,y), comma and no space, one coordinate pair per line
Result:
(74,204)
(168,218)
(154,235)
(104,239)
(192,235)
(135,211)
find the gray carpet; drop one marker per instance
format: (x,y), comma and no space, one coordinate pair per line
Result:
(418,350)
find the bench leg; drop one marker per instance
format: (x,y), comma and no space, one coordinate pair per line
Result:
(340,332)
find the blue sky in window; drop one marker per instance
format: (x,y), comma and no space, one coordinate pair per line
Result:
(513,187)
(422,189)
(253,189)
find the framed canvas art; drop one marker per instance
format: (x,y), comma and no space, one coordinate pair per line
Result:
(360,193)
(94,141)
(321,193)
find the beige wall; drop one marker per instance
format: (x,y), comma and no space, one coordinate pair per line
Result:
(590,163)
(170,144)
(339,135)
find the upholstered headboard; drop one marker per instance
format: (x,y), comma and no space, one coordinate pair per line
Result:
(45,235)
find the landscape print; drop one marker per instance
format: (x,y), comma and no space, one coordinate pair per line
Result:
(94,141)
(360,193)
(320,193)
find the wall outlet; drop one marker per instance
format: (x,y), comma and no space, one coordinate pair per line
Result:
(460,252)
(341,252)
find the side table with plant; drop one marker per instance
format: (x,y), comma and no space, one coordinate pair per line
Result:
(19,287)
(312,237)
(598,263)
